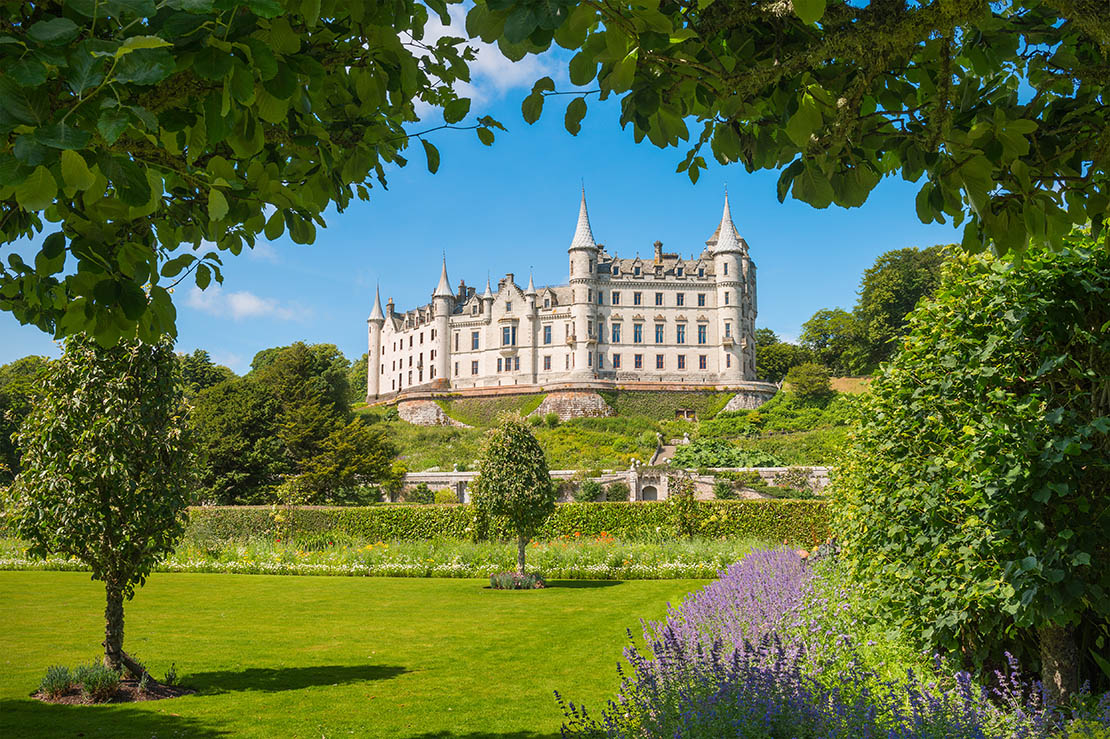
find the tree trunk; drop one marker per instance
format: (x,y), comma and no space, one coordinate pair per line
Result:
(1059,662)
(521,543)
(113,627)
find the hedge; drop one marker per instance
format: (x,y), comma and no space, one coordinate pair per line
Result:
(661,406)
(795,521)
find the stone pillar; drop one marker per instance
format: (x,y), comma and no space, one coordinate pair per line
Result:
(374,358)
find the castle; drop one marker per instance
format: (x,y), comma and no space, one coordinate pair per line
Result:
(664,322)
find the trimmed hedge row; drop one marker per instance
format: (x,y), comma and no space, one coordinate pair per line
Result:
(661,406)
(796,521)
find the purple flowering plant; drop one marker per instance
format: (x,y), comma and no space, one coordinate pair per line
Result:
(769,651)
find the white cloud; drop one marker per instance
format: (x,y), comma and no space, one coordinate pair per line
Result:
(231,360)
(491,74)
(238,305)
(262,251)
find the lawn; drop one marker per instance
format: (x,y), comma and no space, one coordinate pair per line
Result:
(326,656)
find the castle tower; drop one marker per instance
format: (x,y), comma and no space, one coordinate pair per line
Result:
(583,258)
(443,303)
(530,356)
(728,258)
(374,349)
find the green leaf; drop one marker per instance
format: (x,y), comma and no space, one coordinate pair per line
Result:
(217,205)
(129,180)
(623,73)
(804,122)
(275,226)
(266,8)
(113,122)
(813,187)
(52,257)
(85,70)
(75,172)
(53,32)
(145,67)
(576,111)
(432,153)
(27,72)
(174,266)
(62,136)
(37,191)
(532,107)
(583,68)
(310,9)
(456,110)
(485,135)
(203,276)
(810,11)
(134,43)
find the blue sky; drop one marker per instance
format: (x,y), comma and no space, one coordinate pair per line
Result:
(512,207)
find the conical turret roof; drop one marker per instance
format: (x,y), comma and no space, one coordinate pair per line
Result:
(376,314)
(531,290)
(583,235)
(443,289)
(488,293)
(726,238)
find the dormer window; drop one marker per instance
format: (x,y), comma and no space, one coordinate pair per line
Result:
(547,302)
(636,271)
(701,271)
(679,272)
(508,306)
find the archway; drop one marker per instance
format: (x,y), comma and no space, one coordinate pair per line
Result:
(648,492)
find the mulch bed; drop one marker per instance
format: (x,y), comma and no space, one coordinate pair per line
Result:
(128,692)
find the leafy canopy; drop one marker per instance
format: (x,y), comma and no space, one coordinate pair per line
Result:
(106,460)
(138,135)
(513,479)
(972,504)
(997,109)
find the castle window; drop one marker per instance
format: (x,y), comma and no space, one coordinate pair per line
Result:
(616,333)
(456,369)
(410,360)
(410,377)
(456,344)
(616,361)
(682,361)
(473,340)
(659,298)
(516,363)
(638,361)
(474,310)
(547,362)
(725,265)
(421,337)
(680,334)
(637,333)
(410,342)
(701,271)
(567,358)
(636,271)
(680,299)
(659,361)
(590,359)
(591,265)
(500,361)
(701,334)
(392,384)
(547,334)
(589,329)
(433,334)
(637,298)
(658,333)
(701,300)
(547,302)
(474,367)
(508,336)
(600,331)
(600,295)
(728,360)
(600,360)
(726,298)
(728,329)
(678,271)
(616,298)
(589,296)
(701,361)
(508,306)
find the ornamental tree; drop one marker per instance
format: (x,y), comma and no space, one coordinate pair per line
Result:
(513,481)
(146,139)
(106,469)
(972,503)
(997,109)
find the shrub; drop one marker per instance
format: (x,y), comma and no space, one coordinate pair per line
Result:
(797,521)
(617,492)
(445,496)
(98,683)
(720,453)
(809,381)
(516,581)
(420,494)
(979,470)
(685,511)
(56,682)
(724,490)
(551,419)
(589,491)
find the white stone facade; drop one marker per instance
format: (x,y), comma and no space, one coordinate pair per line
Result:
(665,320)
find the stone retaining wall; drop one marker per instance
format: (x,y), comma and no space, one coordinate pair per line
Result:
(573,404)
(425,413)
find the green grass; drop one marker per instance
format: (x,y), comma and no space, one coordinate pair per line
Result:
(485,411)
(275,656)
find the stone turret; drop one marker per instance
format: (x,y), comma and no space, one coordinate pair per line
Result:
(374,349)
(443,303)
(583,253)
(728,259)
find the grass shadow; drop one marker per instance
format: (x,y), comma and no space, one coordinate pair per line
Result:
(484,735)
(583,584)
(277,679)
(32,718)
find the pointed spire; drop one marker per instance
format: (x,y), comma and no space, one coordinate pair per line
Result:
(376,314)
(443,289)
(583,236)
(725,238)
(531,285)
(488,293)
